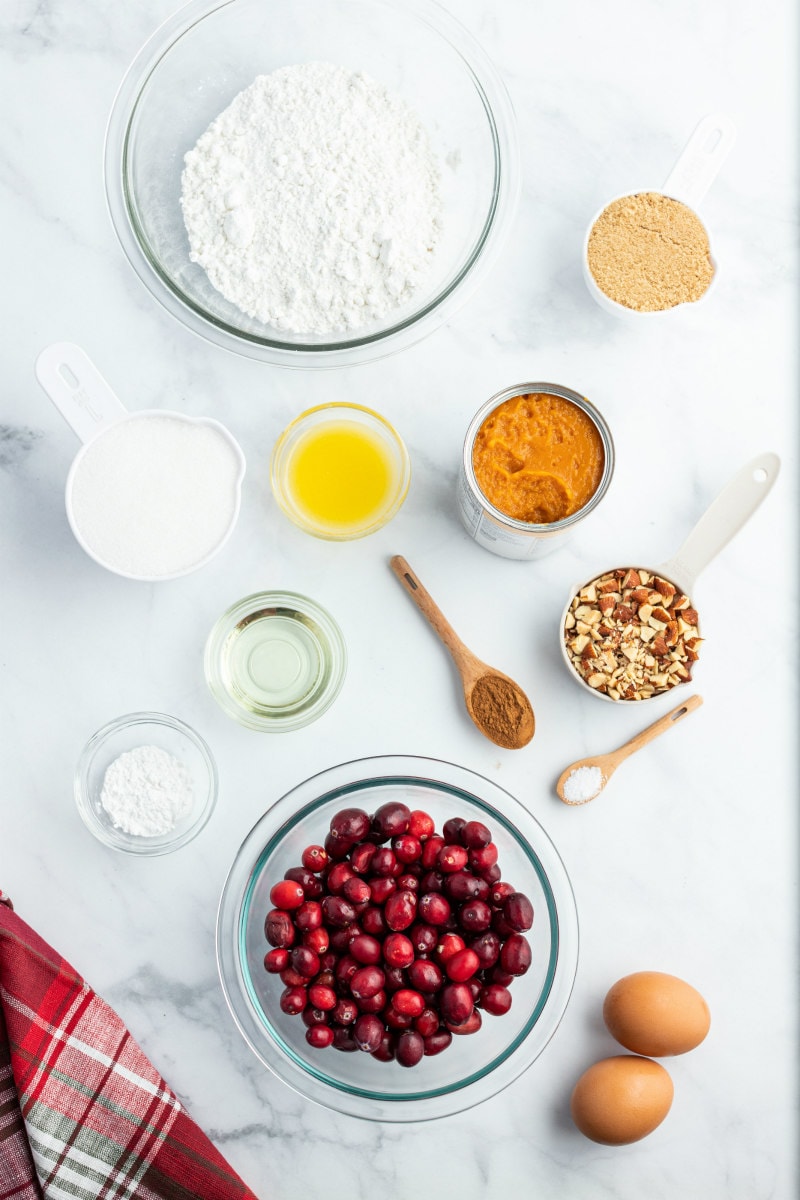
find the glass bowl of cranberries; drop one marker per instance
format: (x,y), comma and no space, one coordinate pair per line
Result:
(397,938)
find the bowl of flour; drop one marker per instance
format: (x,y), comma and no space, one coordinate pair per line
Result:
(146,783)
(311,185)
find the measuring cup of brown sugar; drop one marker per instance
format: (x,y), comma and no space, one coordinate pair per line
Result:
(647,254)
(633,633)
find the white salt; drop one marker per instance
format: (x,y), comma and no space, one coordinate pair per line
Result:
(583,784)
(155,495)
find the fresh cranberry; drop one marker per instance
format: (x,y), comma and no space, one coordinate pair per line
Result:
(398,950)
(425,976)
(278,929)
(500,925)
(328,960)
(341,938)
(350,824)
(396,1020)
(287,895)
(366,982)
(381,887)
(314,858)
(319,1036)
(431,881)
(407,848)
(423,938)
(448,945)
(311,885)
(518,912)
(515,955)
(471,1025)
(455,1003)
(317,940)
(491,874)
(322,996)
(484,857)
(427,1022)
(462,965)
(357,891)
(385,1052)
(400,910)
(313,1016)
(293,1000)
(395,978)
(475,916)
(409,1049)
(499,893)
(430,851)
(408,1002)
(420,825)
(308,916)
(452,829)
(372,921)
(337,876)
(361,856)
(293,978)
(304,961)
(462,886)
(474,835)
(345,1012)
(452,858)
(487,948)
(338,911)
(436,1042)
(336,848)
(496,999)
(434,908)
(390,820)
(365,949)
(408,883)
(504,978)
(374,1004)
(368,1032)
(383,862)
(345,969)
(344,1040)
(475,986)
(276,960)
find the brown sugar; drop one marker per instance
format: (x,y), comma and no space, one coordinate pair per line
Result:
(649,252)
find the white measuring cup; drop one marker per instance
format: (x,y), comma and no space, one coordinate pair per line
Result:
(91,408)
(688,181)
(726,515)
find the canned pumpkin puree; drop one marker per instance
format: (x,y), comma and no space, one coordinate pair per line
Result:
(538,458)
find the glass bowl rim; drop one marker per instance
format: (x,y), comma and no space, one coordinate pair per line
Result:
(107,834)
(344,780)
(335,645)
(367,347)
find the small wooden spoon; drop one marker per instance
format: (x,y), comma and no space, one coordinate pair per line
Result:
(608,763)
(496,704)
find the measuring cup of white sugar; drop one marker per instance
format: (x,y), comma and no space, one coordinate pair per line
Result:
(633,633)
(646,254)
(152,495)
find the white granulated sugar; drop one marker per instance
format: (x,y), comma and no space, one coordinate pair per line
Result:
(146,791)
(313,201)
(583,784)
(154,496)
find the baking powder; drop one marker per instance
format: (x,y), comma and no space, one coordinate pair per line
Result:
(313,200)
(146,791)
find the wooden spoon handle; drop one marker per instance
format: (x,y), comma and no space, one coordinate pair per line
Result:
(658,727)
(431,610)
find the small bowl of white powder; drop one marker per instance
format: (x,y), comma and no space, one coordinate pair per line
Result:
(146,783)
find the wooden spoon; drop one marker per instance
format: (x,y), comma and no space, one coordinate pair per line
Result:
(496,704)
(608,763)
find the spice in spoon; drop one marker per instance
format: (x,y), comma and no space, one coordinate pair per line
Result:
(502,711)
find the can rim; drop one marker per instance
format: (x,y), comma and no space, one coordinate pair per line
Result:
(550,389)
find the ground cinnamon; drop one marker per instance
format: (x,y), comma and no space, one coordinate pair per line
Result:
(502,711)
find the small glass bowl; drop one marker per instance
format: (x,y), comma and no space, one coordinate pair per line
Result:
(127,733)
(472,1068)
(374,426)
(275,661)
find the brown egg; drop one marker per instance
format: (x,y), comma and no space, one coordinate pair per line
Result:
(656,1014)
(620,1100)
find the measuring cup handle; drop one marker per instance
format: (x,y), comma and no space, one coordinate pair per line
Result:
(77,389)
(702,157)
(735,504)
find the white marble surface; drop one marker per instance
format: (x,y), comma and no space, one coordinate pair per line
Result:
(689,863)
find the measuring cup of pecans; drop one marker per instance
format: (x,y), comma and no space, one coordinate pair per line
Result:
(633,633)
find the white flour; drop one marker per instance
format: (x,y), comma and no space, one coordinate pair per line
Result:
(313,200)
(146,791)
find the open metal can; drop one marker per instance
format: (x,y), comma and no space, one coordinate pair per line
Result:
(494,529)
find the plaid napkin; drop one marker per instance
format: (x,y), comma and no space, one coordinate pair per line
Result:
(83,1113)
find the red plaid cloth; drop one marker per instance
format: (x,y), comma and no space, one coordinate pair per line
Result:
(83,1114)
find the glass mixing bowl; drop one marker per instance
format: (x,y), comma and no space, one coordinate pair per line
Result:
(473,1068)
(207,52)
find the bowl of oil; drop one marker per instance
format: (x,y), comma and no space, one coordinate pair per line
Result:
(340,471)
(275,661)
